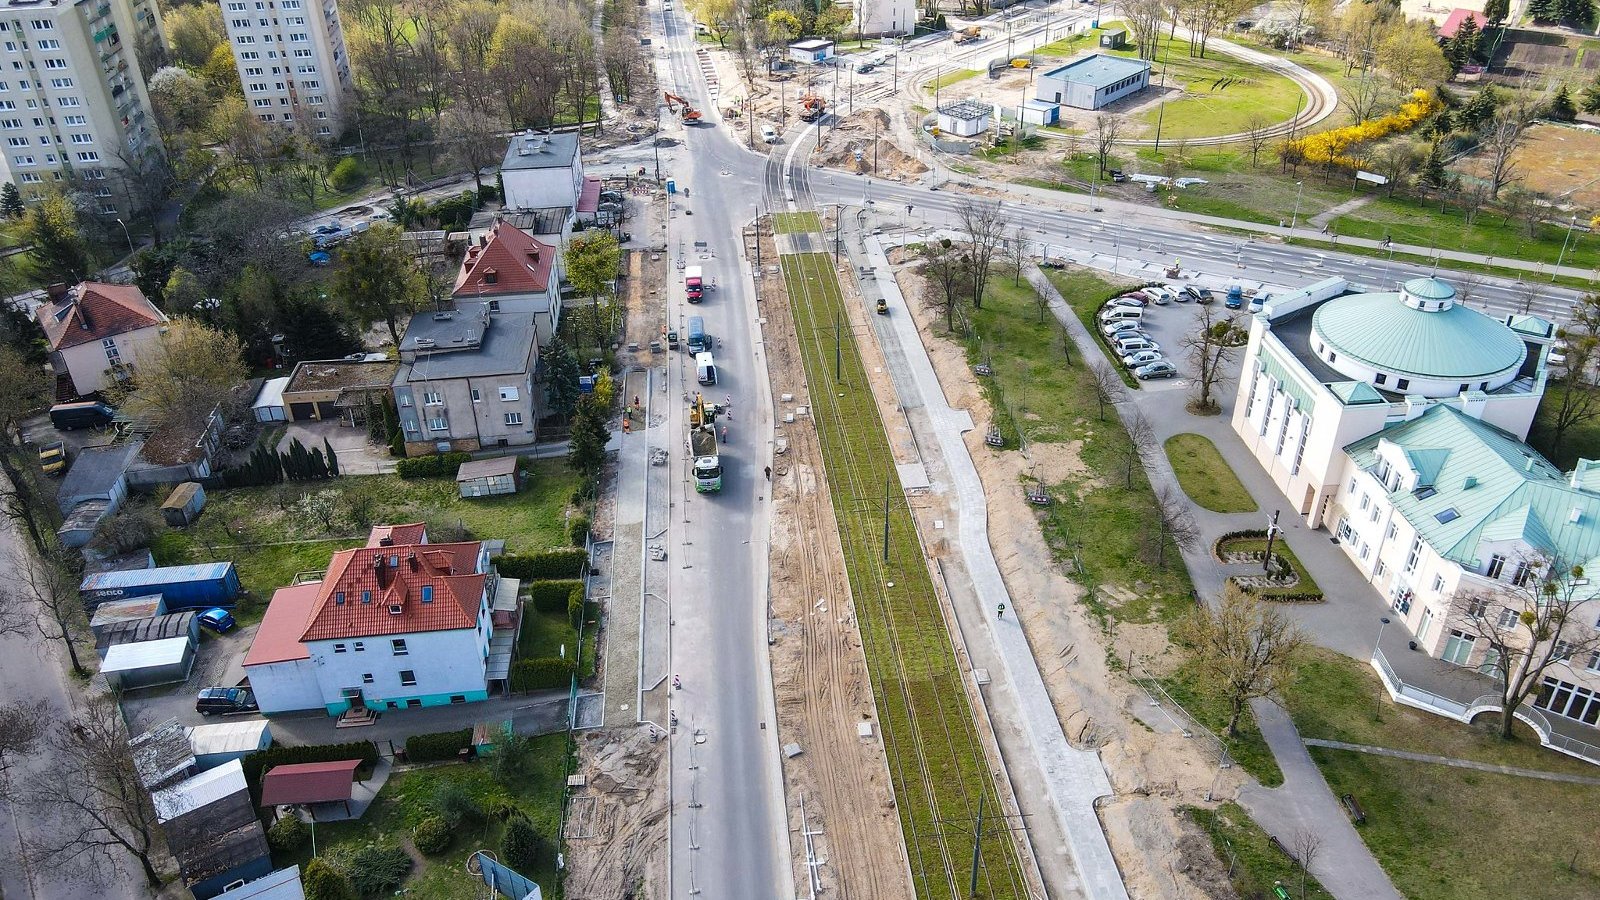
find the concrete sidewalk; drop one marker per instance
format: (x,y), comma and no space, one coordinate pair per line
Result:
(1073,779)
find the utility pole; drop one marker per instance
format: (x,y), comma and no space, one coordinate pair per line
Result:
(886,484)
(1272,532)
(977,846)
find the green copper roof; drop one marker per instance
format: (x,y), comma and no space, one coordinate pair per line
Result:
(1354,393)
(1451,343)
(1429,289)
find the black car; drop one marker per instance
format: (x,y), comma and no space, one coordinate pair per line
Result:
(1197,294)
(225,701)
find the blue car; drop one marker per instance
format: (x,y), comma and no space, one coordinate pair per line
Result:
(217,619)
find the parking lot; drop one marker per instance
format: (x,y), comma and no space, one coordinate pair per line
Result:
(218,662)
(1167,324)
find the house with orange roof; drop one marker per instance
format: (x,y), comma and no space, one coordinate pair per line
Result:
(510,270)
(401,623)
(96,332)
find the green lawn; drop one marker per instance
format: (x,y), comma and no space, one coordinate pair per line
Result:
(1220,94)
(1281,550)
(1445,833)
(952,77)
(1244,848)
(407,798)
(1205,476)
(1249,749)
(1423,224)
(935,758)
(270,540)
(795,222)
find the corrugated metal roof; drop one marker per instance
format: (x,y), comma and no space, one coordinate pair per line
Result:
(162,575)
(271,393)
(227,737)
(1098,69)
(145,655)
(1385,333)
(200,791)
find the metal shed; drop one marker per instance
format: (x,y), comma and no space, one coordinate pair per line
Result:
(213,830)
(487,477)
(79,525)
(185,587)
(162,756)
(214,745)
(113,612)
(155,628)
(129,667)
(1094,81)
(268,405)
(283,884)
(183,505)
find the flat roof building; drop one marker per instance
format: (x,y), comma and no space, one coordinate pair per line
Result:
(1094,81)
(292,63)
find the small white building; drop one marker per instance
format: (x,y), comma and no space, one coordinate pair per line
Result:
(811,50)
(965,118)
(879,18)
(1094,81)
(542,171)
(129,667)
(213,745)
(1038,112)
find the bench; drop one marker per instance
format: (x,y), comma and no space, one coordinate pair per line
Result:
(1357,814)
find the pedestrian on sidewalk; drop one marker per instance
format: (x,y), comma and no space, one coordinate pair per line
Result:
(1001,613)
(768,471)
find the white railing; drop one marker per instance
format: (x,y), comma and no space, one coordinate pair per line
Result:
(1417,698)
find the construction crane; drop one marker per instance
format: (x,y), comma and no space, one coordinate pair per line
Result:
(812,107)
(674,102)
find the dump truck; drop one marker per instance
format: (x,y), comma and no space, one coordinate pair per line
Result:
(694,283)
(703,444)
(969,33)
(812,107)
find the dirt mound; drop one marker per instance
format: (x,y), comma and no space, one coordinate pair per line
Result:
(860,143)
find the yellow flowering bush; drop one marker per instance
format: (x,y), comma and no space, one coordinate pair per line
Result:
(1332,148)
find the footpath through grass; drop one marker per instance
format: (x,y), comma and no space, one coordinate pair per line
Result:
(936,758)
(1255,865)
(1205,476)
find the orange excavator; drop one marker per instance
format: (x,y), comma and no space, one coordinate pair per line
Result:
(812,107)
(675,103)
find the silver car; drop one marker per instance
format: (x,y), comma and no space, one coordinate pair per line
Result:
(1142,358)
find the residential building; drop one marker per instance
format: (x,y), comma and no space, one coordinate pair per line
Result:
(542,171)
(96,332)
(73,104)
(292,62)
(512,271)
(339,390)
(398,624)
(880,18)
(1321,371)
(1095,81)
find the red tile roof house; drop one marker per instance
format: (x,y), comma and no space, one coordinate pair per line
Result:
(397,624)
(513,272)
(96,332)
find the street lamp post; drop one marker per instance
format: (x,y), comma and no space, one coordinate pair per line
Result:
(130,236)
(1383,623)
(1299,189)
(1571,223)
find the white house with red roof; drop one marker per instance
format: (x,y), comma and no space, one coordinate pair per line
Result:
(398,624)
(96,332)
(513,271)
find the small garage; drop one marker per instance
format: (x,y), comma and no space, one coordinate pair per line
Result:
(184,624)
(337,390)
(213,745)
(268,405)
(1038,112)
(811,50)
(487,477)
(128,667)
(965,118)
(114,612)
(183,505)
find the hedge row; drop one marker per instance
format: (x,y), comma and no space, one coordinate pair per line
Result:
(545,566)
(1276,596)
(553,596)
(261,761)
(432,466)
(538,674)
(438,745)
(1229,537)
(577,530)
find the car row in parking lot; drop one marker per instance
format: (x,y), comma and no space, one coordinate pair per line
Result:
(1121,322)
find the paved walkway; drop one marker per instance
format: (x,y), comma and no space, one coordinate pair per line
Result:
(1451,761)
(1074,779)
(536,713)
(1321,219)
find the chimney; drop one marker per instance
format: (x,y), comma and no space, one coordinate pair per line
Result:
(380,571)
(386,541)
(58,291)
(1473,403)
(412,558)
(483,240)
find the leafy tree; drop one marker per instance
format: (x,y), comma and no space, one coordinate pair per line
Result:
(181,100)
(592,260)
(346,174)
(378,279)
(1579,399)
(587,453)
(720,18)
(185,374)
(1479,110)
(1433,172)
(1246,647)
(1462,47)
(1496,11)
(1591,98)
(60,252)
(195,32)
(313,329)
(152,269)
(784,26)
(322,881)
(11,205)
(833,20)
(1561,107)
(22,390)
(522,845)
(560,378)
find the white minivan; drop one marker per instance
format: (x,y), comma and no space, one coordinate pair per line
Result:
(705,368)
(769,134)
(1121,314)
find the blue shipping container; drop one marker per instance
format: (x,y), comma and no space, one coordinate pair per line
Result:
(184,587)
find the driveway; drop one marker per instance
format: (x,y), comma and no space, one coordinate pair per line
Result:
(357,454)
(218,662)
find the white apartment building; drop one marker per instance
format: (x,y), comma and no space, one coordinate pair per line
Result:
(292,62)
(72,97)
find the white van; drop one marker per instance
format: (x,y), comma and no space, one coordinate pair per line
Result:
(769,134)
(1121,314)
(705,368)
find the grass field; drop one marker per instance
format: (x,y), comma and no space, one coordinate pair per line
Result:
(269,539)
(1414,222)
(1219,94)
(1281,550)
(955,76)
(795,222)
(1205,476)
(1445,833)
(407,797)
(936,760)
(1256,864)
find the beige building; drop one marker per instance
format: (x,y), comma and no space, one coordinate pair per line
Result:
(72,96)
(341,390)
(96,333)
(466,378)
(292,62)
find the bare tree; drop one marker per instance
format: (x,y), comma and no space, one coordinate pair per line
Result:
(1171,520)
(1539,617)
(1501,140)
(1246,647)
(1579,398)
(1306,846)
(985,228)
(1041,302)
(1107,128)
(1014,249)
(1108,388)
(45,580)
(1396,160)
(945,272)
(22,726)
(1363,95)
(1141,438)
(22,389)
(1213,344)
(94,791)
(1145,17)
(1258,133)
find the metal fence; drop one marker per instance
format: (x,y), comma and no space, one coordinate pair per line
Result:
(1190,726)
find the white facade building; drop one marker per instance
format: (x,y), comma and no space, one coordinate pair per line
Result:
(292,62)
(879,18)
(542,171)
(72,96)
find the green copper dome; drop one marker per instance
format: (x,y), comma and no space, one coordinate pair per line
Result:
(1419,332)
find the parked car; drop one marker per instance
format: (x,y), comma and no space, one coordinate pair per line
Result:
(225,701)
(1135,298)
(1197,294)
(1126,343)
(1141,358)
(1235,299)
(1053,262)
(1117,176)
(53,458)
(1127,302)
(217,619)
(326,228)
(611,196)
(1112,328)
(1159,369)
(1259,301)
(67,416)
(769,134)
(1159,295)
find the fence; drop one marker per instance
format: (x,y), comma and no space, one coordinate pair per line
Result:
(1427,701)
(1191,726)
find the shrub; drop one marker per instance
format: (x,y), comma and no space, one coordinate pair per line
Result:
(523,846)
(374,868)
(432,836)
(454,804)
(488,193)
(438,745)
(575,606)
(288,834)
(553,596)
(434,466)
(346,175)
(549,564)
(538,674)
(262,760)
(577,530)
(322,880)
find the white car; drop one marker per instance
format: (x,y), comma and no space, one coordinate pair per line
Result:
(769,134)
(1125,302)
(1111,329)
(1142,358)
(1125,344)
(1160,294)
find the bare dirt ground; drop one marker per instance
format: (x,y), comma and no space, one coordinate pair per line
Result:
(1552,160)
(617,822)
(1161,854)
(819,670)
(862,143)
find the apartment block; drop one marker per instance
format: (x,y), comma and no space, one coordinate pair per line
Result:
(72,97)
(292,62)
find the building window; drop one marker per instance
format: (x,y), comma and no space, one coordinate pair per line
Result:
(1438,583)
(477,397)
(1524,574)
(508,392)
(432,398)
(1508,618)
(1569,700)
(1365,501)
(338,648)
(1415,555)
(458,698)
(398,645)
(408,678)
(1594,662)
(1562,651)
(1497,564)
(1477,608)
(1402,383)
(514,418)
(338,598)
(360,646)
(366,596)
(366,678)
(438,423)
(427,593)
